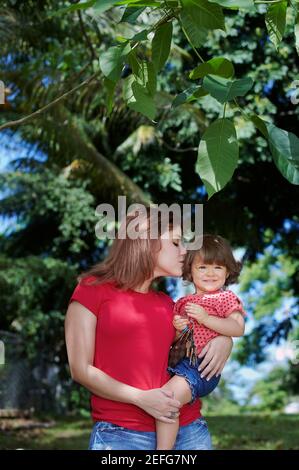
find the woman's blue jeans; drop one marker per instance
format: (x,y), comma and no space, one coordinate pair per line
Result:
(108,436)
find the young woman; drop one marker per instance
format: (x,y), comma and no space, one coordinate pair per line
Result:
(118,335)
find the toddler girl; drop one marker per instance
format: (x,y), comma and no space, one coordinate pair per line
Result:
(211,311)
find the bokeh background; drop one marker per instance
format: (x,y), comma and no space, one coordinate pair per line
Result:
(58,166)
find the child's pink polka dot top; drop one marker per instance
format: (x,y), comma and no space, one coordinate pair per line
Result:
(220,303)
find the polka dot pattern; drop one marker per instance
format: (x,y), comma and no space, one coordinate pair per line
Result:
(220,303)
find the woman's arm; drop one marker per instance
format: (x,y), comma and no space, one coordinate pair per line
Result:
(80,328)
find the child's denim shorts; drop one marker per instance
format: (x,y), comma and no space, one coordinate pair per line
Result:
(199,387)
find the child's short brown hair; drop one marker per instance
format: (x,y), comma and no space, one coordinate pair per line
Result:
(215,249)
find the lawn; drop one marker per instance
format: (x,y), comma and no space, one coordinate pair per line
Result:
(228,432)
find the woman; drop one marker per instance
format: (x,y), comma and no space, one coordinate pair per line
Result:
(118,335)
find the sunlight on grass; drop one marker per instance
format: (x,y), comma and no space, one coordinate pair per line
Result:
(261,432)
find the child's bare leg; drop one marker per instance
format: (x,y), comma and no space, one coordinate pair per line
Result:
(166,432)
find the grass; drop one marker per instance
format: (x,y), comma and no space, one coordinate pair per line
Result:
(236,432)
(258,432)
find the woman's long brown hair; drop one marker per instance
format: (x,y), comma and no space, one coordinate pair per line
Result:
(130,262)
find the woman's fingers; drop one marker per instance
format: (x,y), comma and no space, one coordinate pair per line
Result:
(172,403)
(204,350)
(205,363)
(220,368)
(210,370)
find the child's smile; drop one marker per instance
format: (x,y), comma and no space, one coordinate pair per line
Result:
(208,277)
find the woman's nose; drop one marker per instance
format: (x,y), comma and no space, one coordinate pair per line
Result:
(183,250)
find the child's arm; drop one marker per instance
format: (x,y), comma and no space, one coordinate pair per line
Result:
(233,325)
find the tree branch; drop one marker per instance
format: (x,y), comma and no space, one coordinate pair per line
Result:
(37,113)
(172,149)
(89,44)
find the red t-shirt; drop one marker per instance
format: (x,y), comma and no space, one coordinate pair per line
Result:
(133,336)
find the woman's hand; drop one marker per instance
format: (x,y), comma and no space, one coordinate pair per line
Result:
(158,403)
(215,354)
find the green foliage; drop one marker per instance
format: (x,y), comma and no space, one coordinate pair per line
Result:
(161,45)
(197,19)
(285,150)
(141,99)
(112,61)
(266,285)
(56,222)
(218,66)
(217,155)
(35,292)
(276,21)
(40,200)
(271,394)
(226,90)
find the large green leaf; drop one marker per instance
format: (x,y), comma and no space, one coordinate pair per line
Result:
(276,21)
(236,4)
(218,154)
(111,61)
(110,87)
(127,89)
(141,101)
(76,6)
(161,45)
(199,17)
(103,5)
(141,36)
(190,94)
(226,90)
(131,14)
(151,78)
(139,3)
(260,124)
(218,66)
(284,147)
(144,73)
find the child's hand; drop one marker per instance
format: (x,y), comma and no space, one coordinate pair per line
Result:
(197,312)
(179,322)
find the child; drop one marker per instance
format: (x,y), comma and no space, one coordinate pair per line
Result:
(213,310)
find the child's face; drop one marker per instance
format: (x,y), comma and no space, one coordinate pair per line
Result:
(208,277)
